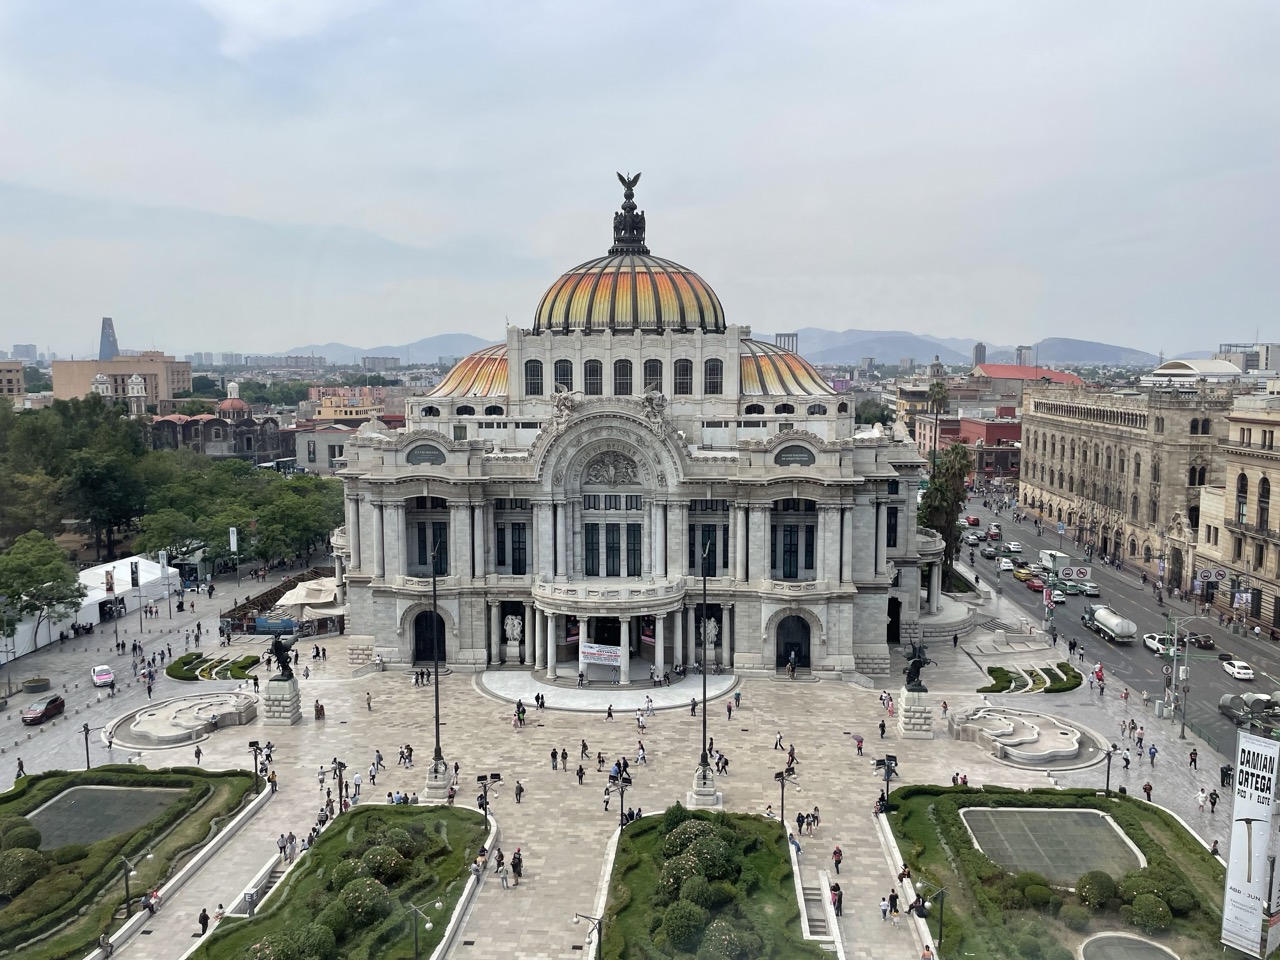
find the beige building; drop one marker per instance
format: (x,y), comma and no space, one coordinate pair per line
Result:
(13,385)
(165,377)
(1124,470)
(1239,532)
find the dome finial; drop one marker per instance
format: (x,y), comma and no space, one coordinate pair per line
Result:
(628,225)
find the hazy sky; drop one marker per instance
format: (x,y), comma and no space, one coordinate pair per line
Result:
(257,174)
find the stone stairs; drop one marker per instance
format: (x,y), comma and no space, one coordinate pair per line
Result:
(814,899)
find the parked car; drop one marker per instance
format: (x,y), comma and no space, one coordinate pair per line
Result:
(102,676)
(1091,589)
(1234,668)
(1158,642)
(988,552)
(1069,587)
(993,533)
(46,708)
(1006,564)
(1035,583)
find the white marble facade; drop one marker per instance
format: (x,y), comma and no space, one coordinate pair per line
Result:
(561,478)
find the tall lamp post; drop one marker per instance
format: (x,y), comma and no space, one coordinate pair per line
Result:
(427,924)
(597,928)
(621,782)
(131,871)
(1111,752)
(438,775)
(704,778)
(87,764)
(941,894)
(1172,627)
(783,779)
(256,749)
(340,769)
(487,782)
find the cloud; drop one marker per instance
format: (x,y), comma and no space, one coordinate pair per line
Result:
(250,25)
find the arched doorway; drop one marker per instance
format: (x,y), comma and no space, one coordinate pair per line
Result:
(893,630)
(1175,567)
(793,638)
(428,637)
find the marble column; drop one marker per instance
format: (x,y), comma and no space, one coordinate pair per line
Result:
(730,635)
(660,644)
(760,568)
(379,547)
(624,638)
(820,543)
(646,554)
(495,632)
(540,542)
(882,528)
(400,526)
(562,539)
(846,545)
(740,560)
(539,640)
(677,539)
(526,633)
(552,641)
(477,541)
(459,541)
(935,587)
(584,637)
(353,531)
(692,637)
(660,540)
(677,641)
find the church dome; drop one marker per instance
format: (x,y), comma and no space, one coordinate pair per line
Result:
(629,289)
(233,408)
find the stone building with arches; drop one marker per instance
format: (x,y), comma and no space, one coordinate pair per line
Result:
(1123,470)
(576,490)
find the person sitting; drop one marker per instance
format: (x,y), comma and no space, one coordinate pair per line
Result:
(413,799)
(768,811)
(904,873)
(918,908)
(105,944)
(453,792)
(391,799)
(964,780)
(219,913)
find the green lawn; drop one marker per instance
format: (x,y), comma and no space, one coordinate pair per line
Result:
(722,891)
(347,896)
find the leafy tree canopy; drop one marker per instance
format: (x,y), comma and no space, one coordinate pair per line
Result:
(38,581)
(873,411)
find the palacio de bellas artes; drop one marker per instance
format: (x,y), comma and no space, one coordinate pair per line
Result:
(564,502)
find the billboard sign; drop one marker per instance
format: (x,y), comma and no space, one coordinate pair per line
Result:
(607,655)
(1245,899)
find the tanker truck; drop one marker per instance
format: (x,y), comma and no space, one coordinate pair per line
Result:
(1108,624)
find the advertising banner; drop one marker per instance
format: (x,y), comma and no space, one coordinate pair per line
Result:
(109,582)
(233,540)
(133,575)
(600,653)
(1245,899)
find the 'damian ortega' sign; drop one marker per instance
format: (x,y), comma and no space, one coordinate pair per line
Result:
(1248,875)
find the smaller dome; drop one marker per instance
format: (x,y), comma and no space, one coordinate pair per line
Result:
(768,370)
(481,374)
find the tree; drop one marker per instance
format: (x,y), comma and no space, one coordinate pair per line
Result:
(30,502)
(202,386)
(38,581)
(942,503)
(195,407)
(937,398)
(106,493)
(168,530)
(873,411)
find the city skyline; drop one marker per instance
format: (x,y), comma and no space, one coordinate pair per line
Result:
(253,177)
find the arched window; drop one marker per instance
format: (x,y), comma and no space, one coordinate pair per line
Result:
(1137,466)
(1204,427)
(593,378)
(784,408)
(753,409)
(1122,463)
(1097,454)
(1133,547)
(1146,553)
(1264,503)
(533,378)
(1073,451)
(1242,499)
(494,411)
(1191,476)
(622,378)
(843,408)
(1195,427)
(653,375)
(713,378)
(817,410)
(1106,496)
(1155,471)
(1053,448)
(1108,458)
(564,375)
(1071,483)
(466,410)
(431,411)
(683,386)
(1133,506)
(1200,480)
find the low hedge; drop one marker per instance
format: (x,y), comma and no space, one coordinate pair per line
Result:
(1071,679)
(184,668)
(1001,680)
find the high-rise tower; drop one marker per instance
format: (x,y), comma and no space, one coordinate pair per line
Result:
(107,346)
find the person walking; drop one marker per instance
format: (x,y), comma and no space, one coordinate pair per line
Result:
(582,772)
(693,706)
(502,876)
(1213,801)
(608,714)
(1151,752)
(355,785)
(1202,798)
(884,909)
(1126,758)
(555,758)
(583,752)
(837,855)
(777,743)
(204,921)
(517,866)
(564,759)
(199,754)
(1192,760)
(1146,788)
(728,709)
(606,798)
(368,701)
(882,729)
(281,845)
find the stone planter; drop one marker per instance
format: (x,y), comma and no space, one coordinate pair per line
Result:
(35,685)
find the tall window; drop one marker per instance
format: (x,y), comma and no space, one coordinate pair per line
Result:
(810,536)
(532,378)
(1264,503)
(684,378)
(1242,498)
(593,378)
(653,375)
(591,550)
(891,527)
(790,551)
(440,546)
(612,550)
(708,550)
(634,537)
(713,377)
(500,545)
(1137,466)
(519,554)
(564,374)
(622,378)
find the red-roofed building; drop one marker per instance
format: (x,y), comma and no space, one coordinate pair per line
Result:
(1004,382)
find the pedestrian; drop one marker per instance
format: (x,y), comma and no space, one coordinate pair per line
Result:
(272,781)
(1151,752)
(777,743)
(837,855)
(1213,801)
(555,758)
(737,699)
(606,797)
(517,866)
(693,706)
(1193,757)
(519,791)
(882,729)
(1125,757)
(893,901)
(1146,788)
(368,701)
(564,760)
(944,708)
(1202,798)
(199,754)
(502,875)
(583,752)
(884,909)
(582,772)
(355,785)
(955,640)
(281,845)
(728,709)
(608,714)
(204,921)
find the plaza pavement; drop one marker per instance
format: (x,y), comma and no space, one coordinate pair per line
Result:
(563,830)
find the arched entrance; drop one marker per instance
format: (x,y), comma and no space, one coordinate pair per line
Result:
(1175,567)
(793,638)
(893,629)
(428,637)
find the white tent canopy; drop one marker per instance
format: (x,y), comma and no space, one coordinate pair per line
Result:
(314,600)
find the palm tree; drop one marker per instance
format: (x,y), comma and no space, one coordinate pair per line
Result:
(937,398)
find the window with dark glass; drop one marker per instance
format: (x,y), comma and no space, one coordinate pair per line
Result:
(591,501)
(593,378)
(708,550)
(790,551)
(622,378)
(613,501)
(724,547)
(591,550)
(683,378)
(440,546)
(693,548)
(713,377)
(634,536)
(635,503)
(810,536)
(500,544)
(653,375)
(518,549)
(532,379)
(564,374)
(612,550)
(891,527)
(424,554)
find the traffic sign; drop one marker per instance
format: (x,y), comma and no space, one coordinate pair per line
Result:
(1209,574)
(1062,527)
(1168,669)
(1074,573)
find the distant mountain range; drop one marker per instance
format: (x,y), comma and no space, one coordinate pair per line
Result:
(889,346)
(427,350)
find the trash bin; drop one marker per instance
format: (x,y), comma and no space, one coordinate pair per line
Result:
(1159,708)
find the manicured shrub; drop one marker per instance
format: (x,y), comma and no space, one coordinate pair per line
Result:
(722,892)
(674,873)
(346,871)
(400,841)
(317,942)
(1028,946)
(1151,914)
(715,860)
(432,845)
(682,925)
(275,946)
(1037,895)
(1027,879)
(1075,918)
(723,939)
(19,868)
(367,900)
(1095,888)
(71,853)
(1055,905)
(8,823)
(337,917)
(1135,883)
(1181,901)
(385,865)
(26,838)
(748,879)
(1056,951)
(673,816)
(697,890)
(679,839)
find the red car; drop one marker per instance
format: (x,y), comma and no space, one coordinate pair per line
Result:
(973,521)
(1035,583)
(44,709)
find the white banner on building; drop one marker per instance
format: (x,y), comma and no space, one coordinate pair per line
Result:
(601,653)
(1244,902)
(232,540)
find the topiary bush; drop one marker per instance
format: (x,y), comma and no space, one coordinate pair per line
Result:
(682,925)
(673,816)
(21,837)
(400,841)
(1151,914)
(336,917)
(674,873)
(367,901)
(346,871)
(1027,879)
(71,853)
(19,868)
(385,865)
(1028,946)
(1075,918)
(679,839)
(697,890)
(1095,888)
(317,942)
(1037,896)
(715,859)
(1137,882)
(1181,901)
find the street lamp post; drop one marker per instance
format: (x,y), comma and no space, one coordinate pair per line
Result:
(1111,752)
(487,781)
(597,927)
(703,783)
(256,749)
(341,768)
(621,782)
(438,776)
(131,871)
(87,765)
(1172,627)
(427,924)
(783,779)
(941,894)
